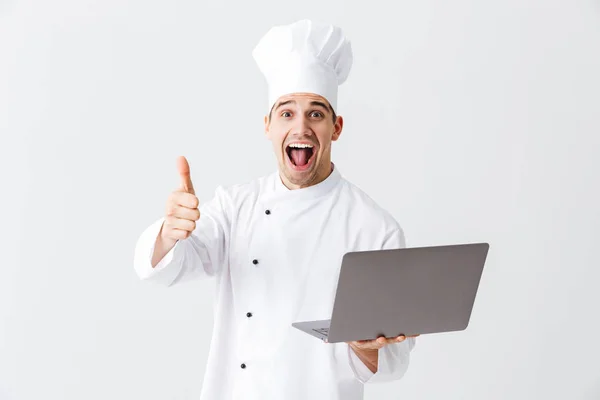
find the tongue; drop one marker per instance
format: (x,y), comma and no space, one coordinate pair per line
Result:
(299,156)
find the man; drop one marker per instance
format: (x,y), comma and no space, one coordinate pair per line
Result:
(274,245)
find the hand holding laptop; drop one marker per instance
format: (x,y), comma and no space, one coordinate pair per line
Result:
(415,291)
(378,343)
(368,350)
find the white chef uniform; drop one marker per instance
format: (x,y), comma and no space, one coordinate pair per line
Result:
(275,254)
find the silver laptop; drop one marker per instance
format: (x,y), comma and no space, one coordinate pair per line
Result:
(415,290)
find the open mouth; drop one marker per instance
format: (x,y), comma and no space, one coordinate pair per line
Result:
(300,155)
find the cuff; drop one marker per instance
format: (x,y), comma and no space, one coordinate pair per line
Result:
(167,268)
(361,371)
(392,362)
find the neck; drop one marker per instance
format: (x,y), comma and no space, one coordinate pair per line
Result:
(322,173)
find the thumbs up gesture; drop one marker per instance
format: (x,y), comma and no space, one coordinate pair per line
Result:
(184,173)
(182,207)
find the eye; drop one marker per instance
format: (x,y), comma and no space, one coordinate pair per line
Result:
(318,113)
(286,114)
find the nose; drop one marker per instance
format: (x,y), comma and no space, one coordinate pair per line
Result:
(302,126)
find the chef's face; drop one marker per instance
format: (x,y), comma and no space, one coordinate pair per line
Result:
(301,127)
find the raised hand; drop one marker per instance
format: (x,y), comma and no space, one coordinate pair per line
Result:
(182,210)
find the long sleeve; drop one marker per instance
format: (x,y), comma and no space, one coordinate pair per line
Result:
(393,359)
(200,256)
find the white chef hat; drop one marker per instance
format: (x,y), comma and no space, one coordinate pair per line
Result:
(305,56)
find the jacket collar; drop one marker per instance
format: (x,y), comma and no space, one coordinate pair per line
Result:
(320,189)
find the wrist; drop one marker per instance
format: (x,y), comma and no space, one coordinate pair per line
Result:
(369,357)
(164,242)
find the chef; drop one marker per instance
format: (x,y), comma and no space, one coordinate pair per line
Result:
(273,246)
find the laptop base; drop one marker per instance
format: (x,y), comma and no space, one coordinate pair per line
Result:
(318,329)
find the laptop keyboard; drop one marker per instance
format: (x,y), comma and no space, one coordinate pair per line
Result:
(323,331)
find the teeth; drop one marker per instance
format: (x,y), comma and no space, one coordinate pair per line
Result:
(301,145)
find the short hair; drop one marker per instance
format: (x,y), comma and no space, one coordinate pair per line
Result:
(333,114)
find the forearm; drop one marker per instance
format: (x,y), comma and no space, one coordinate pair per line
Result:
(161,248)
(368,357)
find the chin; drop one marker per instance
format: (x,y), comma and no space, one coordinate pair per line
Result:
(299,176)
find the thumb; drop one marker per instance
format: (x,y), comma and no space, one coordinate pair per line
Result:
(184,172)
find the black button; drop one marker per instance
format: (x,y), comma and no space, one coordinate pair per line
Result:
(243,366)
(248,314)
(255,261)
(267,212)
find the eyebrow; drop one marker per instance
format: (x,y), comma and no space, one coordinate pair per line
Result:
(283,103)
(312,103)
(319,104)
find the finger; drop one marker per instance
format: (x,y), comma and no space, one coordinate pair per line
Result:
(398,339)
(191,214)
(182,224)
(382,341)
(389,340)
(179,234)
(183,199)
(371,345)
(363,344)
(356,343)
(184,172)
(374,343)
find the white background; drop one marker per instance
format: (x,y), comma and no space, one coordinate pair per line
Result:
(469,120)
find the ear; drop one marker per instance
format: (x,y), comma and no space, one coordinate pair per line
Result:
(267,126)
(337,128)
